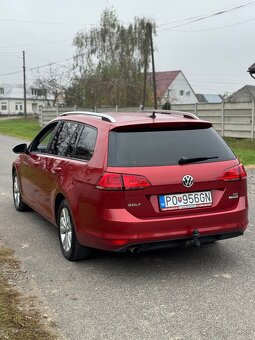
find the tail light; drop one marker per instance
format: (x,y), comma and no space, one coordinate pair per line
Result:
(112,181)
(234,174)
(135,182)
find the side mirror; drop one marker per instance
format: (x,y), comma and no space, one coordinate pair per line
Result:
(20,148)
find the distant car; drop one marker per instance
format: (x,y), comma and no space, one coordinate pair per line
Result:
(131,181)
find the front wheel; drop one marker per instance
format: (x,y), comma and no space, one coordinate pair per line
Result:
(70,246)
(17,198)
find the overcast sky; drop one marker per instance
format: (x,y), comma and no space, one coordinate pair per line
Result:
(214,54)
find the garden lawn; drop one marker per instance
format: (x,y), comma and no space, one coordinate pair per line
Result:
(20,127)
(244,149)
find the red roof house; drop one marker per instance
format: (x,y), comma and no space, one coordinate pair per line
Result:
(173,86)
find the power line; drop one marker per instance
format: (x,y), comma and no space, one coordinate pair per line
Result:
(10,73)
(7,54)
(215,28)
(45,22)
(35,44)
(193,81)
(45,65)
(203,17)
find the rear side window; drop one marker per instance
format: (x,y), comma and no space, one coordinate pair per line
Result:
(61,138)
(86,144)
(165,147)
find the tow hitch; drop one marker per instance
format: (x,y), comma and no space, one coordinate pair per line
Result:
(194,241)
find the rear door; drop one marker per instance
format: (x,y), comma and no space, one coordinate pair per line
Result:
(51,169)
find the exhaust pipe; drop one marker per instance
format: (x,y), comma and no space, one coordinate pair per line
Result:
(194,241)
(134,250)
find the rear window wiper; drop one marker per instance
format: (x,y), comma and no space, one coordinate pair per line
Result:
(186,160)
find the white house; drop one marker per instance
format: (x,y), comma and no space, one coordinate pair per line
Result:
(173,87)
(12,99)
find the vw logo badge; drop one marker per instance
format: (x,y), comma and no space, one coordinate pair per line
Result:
(187,181)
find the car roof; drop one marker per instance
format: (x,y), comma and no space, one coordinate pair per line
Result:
(121,119)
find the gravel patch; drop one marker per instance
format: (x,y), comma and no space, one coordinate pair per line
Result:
(251,181)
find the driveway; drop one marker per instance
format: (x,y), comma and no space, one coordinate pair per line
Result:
(194,293)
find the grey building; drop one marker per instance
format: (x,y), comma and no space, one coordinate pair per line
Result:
(243,95)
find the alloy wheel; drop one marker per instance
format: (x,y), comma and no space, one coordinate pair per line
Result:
(66,232)
(16,191)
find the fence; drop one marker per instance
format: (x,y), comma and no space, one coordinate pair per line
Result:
(229,119)
(48,113)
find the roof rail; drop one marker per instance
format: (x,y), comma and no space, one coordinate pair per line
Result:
(178,113)
(103,116)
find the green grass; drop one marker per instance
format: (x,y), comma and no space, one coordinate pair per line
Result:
(20,127)
(28,128)
(244,149)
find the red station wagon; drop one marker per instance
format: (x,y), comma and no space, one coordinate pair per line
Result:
(131,181)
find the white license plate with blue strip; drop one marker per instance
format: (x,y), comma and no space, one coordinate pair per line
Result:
(185,200)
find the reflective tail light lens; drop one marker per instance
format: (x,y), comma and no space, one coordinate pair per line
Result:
(234,174)
(135,182)
(112,181)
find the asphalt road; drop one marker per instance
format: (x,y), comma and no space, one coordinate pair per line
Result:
(195,293)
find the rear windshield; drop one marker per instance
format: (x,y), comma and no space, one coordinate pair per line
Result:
(165,147)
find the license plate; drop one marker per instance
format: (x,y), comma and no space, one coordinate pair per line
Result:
(185,201)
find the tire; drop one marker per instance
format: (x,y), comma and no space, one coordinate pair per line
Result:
(17,198)
(70,246)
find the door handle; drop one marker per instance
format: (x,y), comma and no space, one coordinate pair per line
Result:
(57,170)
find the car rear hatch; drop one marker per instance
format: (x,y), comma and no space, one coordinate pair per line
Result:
(174,169)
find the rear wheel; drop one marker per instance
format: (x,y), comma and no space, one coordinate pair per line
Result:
(70,246)
(17,198)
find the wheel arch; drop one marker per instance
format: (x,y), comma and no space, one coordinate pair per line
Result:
(59,198)
(13,169)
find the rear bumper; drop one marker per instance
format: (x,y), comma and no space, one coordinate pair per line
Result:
(117,229)
(178,243)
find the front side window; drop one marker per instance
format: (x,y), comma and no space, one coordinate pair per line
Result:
(181,92)
(86,143)
(41,142)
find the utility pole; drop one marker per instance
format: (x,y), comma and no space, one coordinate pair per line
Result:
(146,48)
(153,69)
(144,84)
(24,85)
